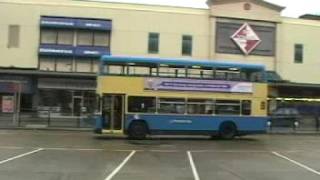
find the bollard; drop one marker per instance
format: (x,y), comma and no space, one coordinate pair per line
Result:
(78,121)
(295,125)
(317,123)
(49,118)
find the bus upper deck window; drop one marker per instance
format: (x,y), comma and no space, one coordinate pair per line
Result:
(207,73)
(115,69)
(139,70)
(167,72)
(256,77)
(220,75)
(194,73)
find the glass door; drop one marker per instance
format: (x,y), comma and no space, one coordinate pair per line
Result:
(113,111)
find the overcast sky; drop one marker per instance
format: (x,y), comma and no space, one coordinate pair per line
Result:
(294,8)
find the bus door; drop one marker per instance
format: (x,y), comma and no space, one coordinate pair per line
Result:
(113,111)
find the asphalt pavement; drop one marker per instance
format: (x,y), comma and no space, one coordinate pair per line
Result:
(62,155)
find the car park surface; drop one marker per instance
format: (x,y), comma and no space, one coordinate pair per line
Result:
(81,155)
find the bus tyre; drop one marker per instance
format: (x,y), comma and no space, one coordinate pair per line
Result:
(138,130)
(227,130)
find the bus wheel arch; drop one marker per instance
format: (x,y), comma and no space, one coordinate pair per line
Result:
(138,129)
(228,130)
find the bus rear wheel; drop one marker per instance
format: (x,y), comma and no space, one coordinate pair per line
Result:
(227,130)
(138,130)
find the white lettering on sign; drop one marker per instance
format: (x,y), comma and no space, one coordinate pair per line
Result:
(60,51)
(176,121)
(57,23)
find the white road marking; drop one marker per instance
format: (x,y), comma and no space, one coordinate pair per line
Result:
(20,156)
(115,171)
(73,149)
(164,151)
(240,151)
(193,167)
(296,163)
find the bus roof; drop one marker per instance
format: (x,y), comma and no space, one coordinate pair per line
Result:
(181,62)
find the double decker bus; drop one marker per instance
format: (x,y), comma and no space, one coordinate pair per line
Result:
(143,96)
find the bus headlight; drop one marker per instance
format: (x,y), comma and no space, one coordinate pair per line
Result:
(269,123)
(136,116)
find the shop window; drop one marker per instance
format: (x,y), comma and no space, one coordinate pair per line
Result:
(298,53)
(142,104)
(56,101)
(64,65)
(13,36)
(47,64)
(153,44)
(65,37)
(49,36)
(85,38)
(101,39)
(200,106)
(95,66)
(83,65)
(172,106)
(186,45)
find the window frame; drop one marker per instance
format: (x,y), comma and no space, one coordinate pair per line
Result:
(153,48)
(298,53)
(14,33)
(187,45)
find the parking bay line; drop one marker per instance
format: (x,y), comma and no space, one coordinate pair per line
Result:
(116,170)
(193,166)
(296,163)
(20,156)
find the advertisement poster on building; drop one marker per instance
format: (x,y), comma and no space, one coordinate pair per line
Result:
(7,104)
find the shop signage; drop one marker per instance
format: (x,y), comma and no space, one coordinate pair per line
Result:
(77,23)
(63,50)
(91,51)
(7,104)
(197,85)
(246,39)
(46,49)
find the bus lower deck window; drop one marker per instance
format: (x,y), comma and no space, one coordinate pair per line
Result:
(142,104)
(171,106)
(200,106)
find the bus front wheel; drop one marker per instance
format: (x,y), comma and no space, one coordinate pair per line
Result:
(138,130)
(227,130)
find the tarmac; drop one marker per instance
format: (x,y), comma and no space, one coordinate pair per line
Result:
(73,155)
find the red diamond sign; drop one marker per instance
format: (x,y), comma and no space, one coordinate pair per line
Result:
(246,38)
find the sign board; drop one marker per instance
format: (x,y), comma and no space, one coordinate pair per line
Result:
(62,22)
(246,38)
(197,85)
(7,104)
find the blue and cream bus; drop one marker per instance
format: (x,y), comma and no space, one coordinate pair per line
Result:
(143,96)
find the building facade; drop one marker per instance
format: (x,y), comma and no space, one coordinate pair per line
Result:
(52,48)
